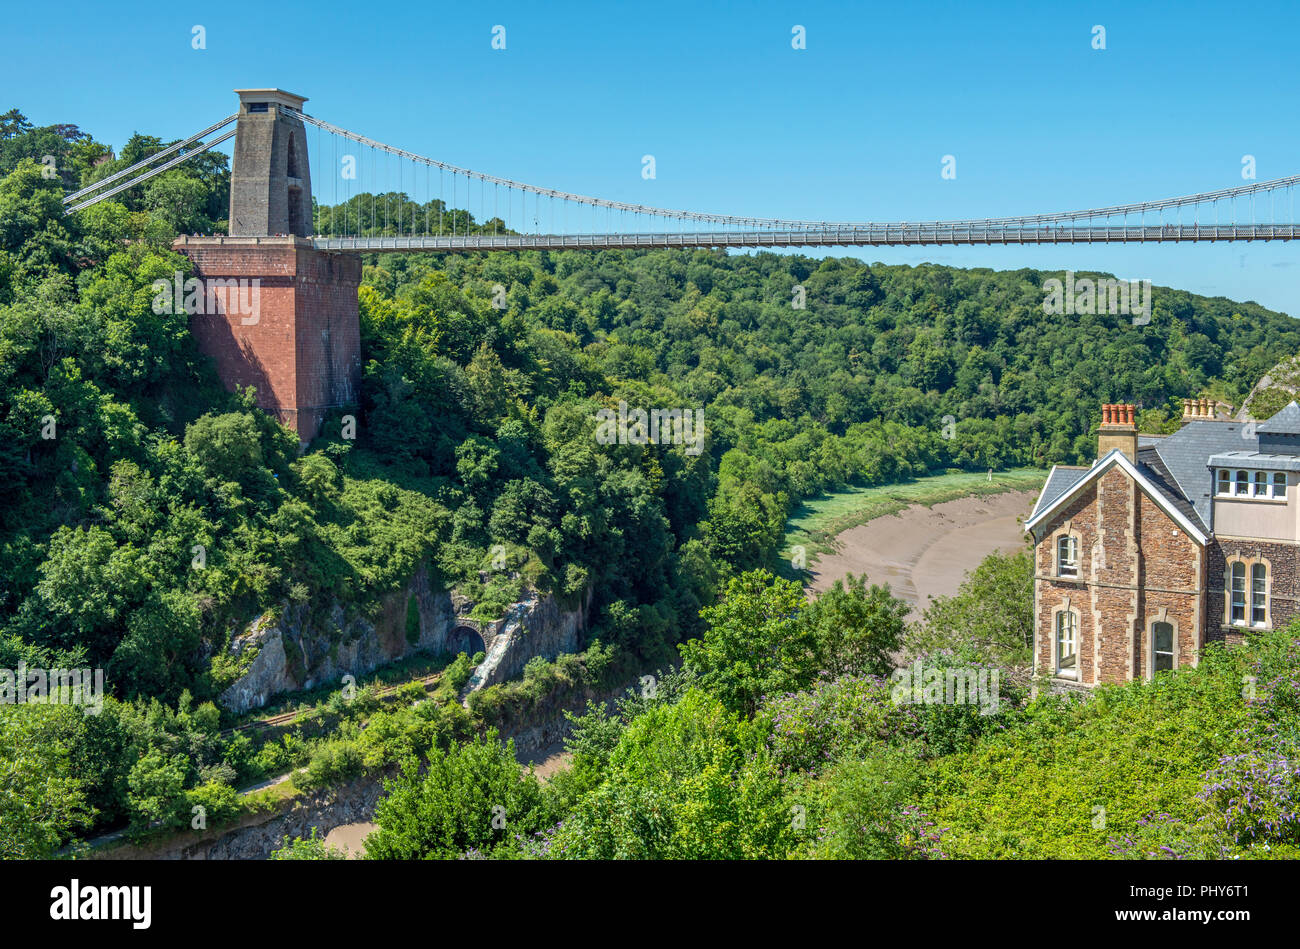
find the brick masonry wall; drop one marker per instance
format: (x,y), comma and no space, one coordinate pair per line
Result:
(1136,567)
(301,350)
(328,338)
(1172,579)
(1052,592)
(1284,583)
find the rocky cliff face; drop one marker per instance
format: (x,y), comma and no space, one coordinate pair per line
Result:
(299,648)
(532,627)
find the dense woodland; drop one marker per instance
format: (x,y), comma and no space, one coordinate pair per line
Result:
(121,451)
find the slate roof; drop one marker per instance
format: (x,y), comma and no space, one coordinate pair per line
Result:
(1147,474)
(1186,454)
(1255,459)
(1061,479)
(1157,472)
(1178,465)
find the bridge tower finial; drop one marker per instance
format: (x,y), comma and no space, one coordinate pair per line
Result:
(270,182)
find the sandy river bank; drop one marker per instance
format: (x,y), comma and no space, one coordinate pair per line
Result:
(923,552)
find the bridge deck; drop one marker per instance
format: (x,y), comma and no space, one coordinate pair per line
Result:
(880,235)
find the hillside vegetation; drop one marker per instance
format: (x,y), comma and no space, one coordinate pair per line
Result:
(122,455)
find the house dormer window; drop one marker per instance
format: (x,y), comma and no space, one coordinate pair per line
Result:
(1241,483)
(1067,556)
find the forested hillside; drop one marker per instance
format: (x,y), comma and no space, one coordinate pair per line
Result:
(121,452)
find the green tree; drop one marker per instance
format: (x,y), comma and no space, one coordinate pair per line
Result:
(687,780)
(472,797)
(756,642)
(857,628)
(41,801)
(157,789)
(992,612)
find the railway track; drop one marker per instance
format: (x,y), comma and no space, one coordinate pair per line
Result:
(285,718)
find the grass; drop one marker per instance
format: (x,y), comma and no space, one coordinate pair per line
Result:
(815,523)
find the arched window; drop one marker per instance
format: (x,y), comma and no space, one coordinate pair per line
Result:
(1067,556)
(1243,484)
(1279,485)
(1225,481)
(1162,646)
(1237,593)
(1067,644)
(1258,594)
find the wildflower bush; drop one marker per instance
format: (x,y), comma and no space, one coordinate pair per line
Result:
(846,718)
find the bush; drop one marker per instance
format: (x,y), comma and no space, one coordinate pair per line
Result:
(1072,776)
(309,848)
(845,719)
(864,810)
(473,797)
(458,672)
(220,802)
(330,763)
(412,621)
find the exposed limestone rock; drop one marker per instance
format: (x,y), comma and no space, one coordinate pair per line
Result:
(264,677)
(1274,390)
(303,649)
(535,626)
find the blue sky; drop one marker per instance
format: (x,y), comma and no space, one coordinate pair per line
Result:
(854,127)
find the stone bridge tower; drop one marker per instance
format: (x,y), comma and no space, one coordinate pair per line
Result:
(277,314)
(270,183)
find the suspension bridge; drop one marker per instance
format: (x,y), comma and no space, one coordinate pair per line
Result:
(384,199)
(276,302)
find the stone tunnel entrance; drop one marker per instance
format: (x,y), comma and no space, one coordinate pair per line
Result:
(467,640)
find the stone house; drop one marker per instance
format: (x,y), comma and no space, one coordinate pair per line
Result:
(1165,543)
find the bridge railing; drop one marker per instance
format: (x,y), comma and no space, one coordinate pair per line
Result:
(846,237)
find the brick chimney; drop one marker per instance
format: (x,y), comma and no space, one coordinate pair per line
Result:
(1118,430)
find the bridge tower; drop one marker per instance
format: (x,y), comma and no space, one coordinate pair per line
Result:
(278,314)
(270,182)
